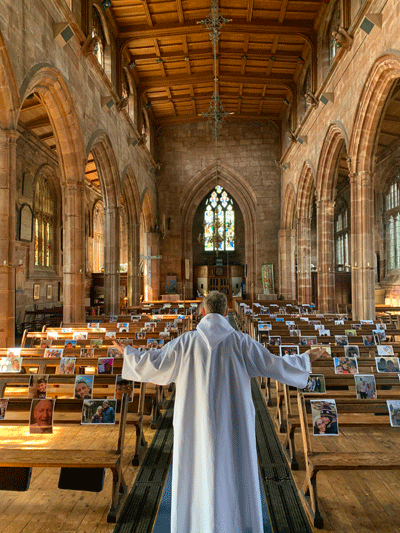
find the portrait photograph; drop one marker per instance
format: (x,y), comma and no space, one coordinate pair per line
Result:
(105,365)
(38,386)
(274,340)
(315,384)
(345,365)
(113,318)
(13,352)
(339,322)
(69,344)
(123,325)
(325,347)
(45,343)
(3,407)
(341,340)
(350,332)
(264,326)
(394,412)
(308,341)
(113,352)
(365,386)
(67,365)
(294,333)
(385,349)
(83,387)
(66,330)
(381,333)
(80,335)
(141,335)
(53,353)
(289,350)
(41,416)
(10,364)
(387,364)
(110,335)
(355,326)
(123,386)
(87,352)
(96,343)
(351,351)
(368,340)
(290,323)
(324,417)
(324,332)
(152,343)
(123,329)
(367,322)
(99,411)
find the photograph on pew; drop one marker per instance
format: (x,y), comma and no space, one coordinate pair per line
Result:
(387,364)
(83,387)
(324,417)
(38,386)
(155,343)
(99,411)
(70,344)
(289,350)
(10,364)
(66,330)
(79,335)
(367,322)
(53,353)
(351,351)
(385,349)
(345,365)
(341,340)
(381,333)
(140,335)
(355,326)
(315,384)
(3,408)
(394,412)
(274,340)
(53,335)
(113,352)
(96,343)
(67,365)
(105,365)
(87,352)
(309,340)
(294,333)
(45,343)
(110,335)
(368,340)
(123,386)
(324,332)
(365,387)
(350,332)
(325,347)
(41,416)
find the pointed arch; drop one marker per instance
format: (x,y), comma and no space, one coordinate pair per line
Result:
(130,193)
(334,141)
(148,211)
(305,191)
(9,99)
(289,207)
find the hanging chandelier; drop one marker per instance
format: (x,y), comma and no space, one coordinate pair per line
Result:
(215,231)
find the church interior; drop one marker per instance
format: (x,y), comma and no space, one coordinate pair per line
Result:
(153,151)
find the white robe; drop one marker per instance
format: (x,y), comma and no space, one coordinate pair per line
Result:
(215,487)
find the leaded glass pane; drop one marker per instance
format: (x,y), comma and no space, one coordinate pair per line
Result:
(208,228)
(214,199)
(219,203)
(230,228)
(36,241)
(48,244)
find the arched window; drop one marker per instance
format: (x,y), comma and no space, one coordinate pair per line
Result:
(99,38)
(98,237)
(342,239)
(219,216)
(333,26)
(392,226)
(44,223)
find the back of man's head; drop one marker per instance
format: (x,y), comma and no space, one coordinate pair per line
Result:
(215,302)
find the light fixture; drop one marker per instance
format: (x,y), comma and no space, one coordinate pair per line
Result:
(132,64)
(106,4)
(148,105)
(273,58)
(158,60)
(62,33)
(371,20)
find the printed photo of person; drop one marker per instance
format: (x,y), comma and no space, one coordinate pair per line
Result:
(140,335)
(67,365)
(385,349)
(324,332)
(345,365)
(96,343)
(41,417)
(45,343)
(66,330)
(365,387)
(99,411)
(113,318)
(52,335)
(315,384)
(87,352)
(381,333)
(151,343)
(308,341)
(69,344)
(351,351)
(83,388)
(160,343)
(110,335)
(324,416)
(339,322)
(123,386)
(38,386)
(368,340)
(113,352)
(12,353)
(105,365)
(288,350)
(341,340)
(394,412)
(387,364)
(53,353)
(294,333)
(10,364)
(367,322)
(274,340)
(3,408)
(264,326)
(355,326)
(80,335)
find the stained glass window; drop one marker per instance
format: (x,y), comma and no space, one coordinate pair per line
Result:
(219,219)
(98,237)
(342,258)
(392,224)
(44,222)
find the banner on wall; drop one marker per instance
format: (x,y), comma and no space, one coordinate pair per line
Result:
(267,275)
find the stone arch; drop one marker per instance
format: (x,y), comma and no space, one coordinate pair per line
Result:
(305,191)
(196,189)
(289,207)
(46,81)
(9,100)
(130,192)
(335,137)
(148,211)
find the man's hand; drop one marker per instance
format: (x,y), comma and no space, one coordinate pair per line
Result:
(119,346)
(316,353)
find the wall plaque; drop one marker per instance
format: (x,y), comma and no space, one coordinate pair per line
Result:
(25,223)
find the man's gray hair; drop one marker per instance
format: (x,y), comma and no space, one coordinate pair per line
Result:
(215,302)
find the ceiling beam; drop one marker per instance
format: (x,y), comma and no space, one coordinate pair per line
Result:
(37,123)
(183,119)
(169,30)
(250,10)
(179,8)
(206,53)
(206,96)
(283,10)
(147,12)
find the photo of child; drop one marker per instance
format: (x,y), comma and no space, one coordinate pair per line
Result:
(38,386)
(67,365)
(324,416)
(345,365)
(10,364)
(289,350)
(53,353)
(69,344)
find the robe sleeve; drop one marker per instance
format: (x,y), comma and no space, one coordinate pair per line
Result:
(159,366)
(288,369)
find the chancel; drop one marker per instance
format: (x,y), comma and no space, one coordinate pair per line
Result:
(154,153)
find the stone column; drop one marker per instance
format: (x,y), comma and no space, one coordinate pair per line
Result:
(8,186)
(133,264)
(326,255)
(74,252)
(152,279)
(304,260)
(111,260)
(362,246)
(287,266)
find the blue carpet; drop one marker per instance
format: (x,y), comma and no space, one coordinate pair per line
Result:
(163,522)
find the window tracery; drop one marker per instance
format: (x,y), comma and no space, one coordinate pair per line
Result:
(219,216)
(43,222)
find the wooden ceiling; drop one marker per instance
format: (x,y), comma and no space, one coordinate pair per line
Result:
(260,54)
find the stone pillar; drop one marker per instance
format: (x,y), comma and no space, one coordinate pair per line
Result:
(362,246)
(8,186)
(133,264)
(304,260)
(152,279)
(287,266)
(74,253)
(111,260)
(326,255)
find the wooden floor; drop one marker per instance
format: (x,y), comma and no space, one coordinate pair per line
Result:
(355,501)
(45,508)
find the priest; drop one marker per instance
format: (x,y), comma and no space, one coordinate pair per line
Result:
(215,487)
